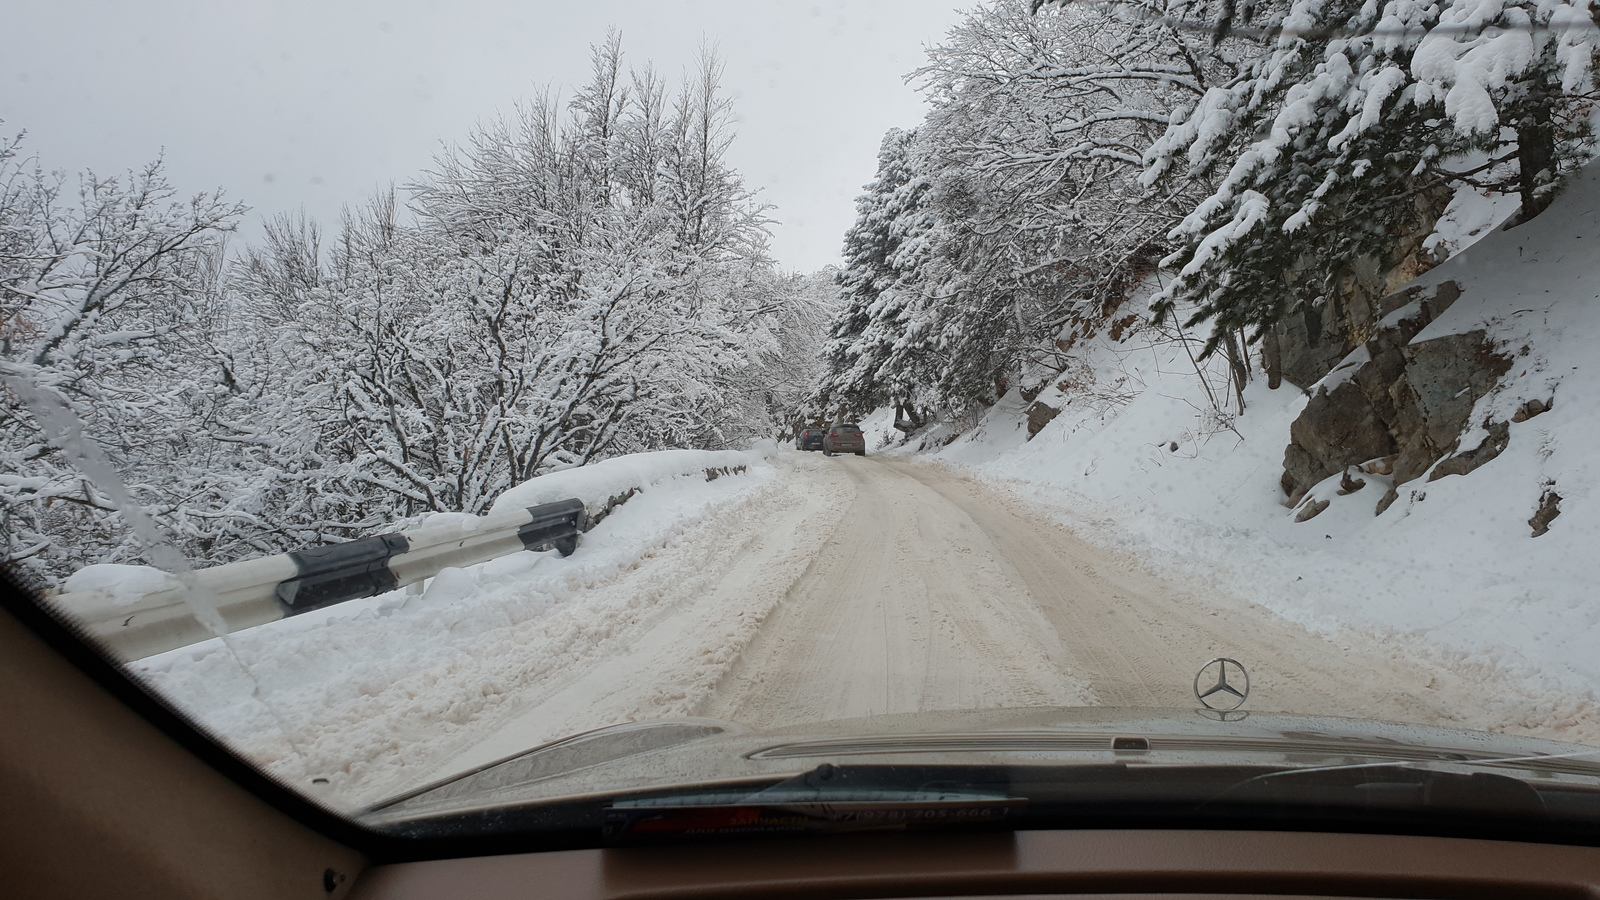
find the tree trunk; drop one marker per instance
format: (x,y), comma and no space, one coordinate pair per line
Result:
(1272,358)
(1237,370)
(905,418)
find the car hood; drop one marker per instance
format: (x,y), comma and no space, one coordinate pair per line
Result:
(706,753)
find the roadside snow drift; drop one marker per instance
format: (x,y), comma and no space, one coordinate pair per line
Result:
(349,698)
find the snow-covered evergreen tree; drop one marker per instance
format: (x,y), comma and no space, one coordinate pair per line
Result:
(1014,211)
(1353,132)
(877,353)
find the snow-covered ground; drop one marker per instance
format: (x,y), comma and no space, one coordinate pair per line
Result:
(1141,459)
(850,587)
(811,587)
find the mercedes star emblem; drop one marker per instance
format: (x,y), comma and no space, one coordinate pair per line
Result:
(1222,674)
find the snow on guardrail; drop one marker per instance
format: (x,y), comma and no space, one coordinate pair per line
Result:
(603,486)
(138,611)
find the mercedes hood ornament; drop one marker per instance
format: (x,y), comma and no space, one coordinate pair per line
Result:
(1222,684)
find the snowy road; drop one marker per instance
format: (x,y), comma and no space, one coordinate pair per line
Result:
(935,591)
(852,587)
(911,604)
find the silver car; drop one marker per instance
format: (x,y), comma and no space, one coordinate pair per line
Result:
(845,437)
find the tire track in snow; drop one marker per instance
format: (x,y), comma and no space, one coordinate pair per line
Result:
(906,609)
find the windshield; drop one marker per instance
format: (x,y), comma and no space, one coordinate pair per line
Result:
(1020,409)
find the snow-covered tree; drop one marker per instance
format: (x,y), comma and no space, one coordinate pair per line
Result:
(1037,135)
(781,339)
(876,354)
(1335,152)
(534,317)
(1014,211)
(108,303)
(577,280)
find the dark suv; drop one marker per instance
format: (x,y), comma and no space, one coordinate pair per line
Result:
(845,437)
(810,439)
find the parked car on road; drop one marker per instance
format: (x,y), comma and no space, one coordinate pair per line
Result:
(810,439)
(845,437)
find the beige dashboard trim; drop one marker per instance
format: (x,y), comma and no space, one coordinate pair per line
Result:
(97,802)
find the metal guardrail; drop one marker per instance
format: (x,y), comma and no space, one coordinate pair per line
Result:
(257,591)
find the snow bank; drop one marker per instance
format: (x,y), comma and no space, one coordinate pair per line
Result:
(1150,456)
(362,693)
(597,482)
(600,486)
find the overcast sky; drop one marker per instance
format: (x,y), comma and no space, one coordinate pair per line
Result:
(318,102)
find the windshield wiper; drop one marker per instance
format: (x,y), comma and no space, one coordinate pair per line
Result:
(827,799)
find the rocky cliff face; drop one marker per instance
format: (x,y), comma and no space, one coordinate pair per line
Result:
(1396,408)
(1307,344)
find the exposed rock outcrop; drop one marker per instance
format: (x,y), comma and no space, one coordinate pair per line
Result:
(1532,408)
(1549,508)
(1039,415)
(1403,403)
(1307,344)
(1464,462)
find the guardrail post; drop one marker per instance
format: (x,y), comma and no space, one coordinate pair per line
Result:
(335,573)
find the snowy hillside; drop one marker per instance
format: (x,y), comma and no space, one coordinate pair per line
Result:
(1148,456)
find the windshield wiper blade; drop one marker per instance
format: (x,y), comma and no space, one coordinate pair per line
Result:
(827,799)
